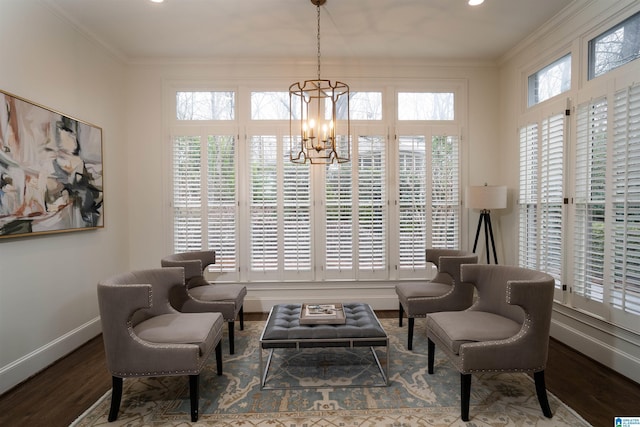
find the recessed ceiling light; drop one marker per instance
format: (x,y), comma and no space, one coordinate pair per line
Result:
(156,1)
(475,2)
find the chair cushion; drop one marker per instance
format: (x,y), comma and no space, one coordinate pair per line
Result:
(455,328)
(421,290)
(182,328)
(217,292)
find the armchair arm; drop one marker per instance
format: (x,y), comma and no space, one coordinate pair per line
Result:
(528,349)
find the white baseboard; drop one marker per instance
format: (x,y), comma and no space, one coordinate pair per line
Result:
(32,363)
(605,345)
(379,297)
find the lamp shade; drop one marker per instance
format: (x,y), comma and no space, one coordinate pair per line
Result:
(486,197)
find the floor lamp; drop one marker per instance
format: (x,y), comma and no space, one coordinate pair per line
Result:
(485,198)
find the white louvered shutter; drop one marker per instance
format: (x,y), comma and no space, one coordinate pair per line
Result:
(528,197)
(552,196)
(339,219)
(187,194)
(624,258)
(372,204)
(263,206)
(412,202)
(445,192)
(589,201)
(221,202)
(296,191)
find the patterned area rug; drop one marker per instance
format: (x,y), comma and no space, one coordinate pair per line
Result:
(326,391)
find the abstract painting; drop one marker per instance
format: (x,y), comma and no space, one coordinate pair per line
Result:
(50,171)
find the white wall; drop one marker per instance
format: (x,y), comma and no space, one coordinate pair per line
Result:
(48,304)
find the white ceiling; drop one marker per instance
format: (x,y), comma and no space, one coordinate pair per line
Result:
(424,29)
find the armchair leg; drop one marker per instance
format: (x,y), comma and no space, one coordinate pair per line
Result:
(410,333)
(541,391)
(219,357)
(431,350)
(194,396)
(241,316)
(401,313)
(116,396)
(232,348)
(465,396)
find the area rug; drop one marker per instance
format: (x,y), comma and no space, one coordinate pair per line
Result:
(326,391)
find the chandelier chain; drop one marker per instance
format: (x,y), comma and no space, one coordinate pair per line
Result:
(318,37)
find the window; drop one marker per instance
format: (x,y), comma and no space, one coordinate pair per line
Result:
(541,194)
(550,81)
(363,105)
(204,197)
(279,211)
(269,219)
(372,203)
(615,47)
(205,105)
(426,106)
(624,256)
(445,192)
(602,239)
(590,176)
(428,196)
(271,105)
(412,201)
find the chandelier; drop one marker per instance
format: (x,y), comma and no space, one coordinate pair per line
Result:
(319,122)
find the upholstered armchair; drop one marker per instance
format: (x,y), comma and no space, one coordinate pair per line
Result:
(201,296)
(445,292)
(144,336)
(506,329)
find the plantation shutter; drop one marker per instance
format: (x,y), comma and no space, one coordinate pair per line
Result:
(445,192)
(187,194)
(372,204)
(263,210)
(412,202)
(552,196)
(625,217)
(589,201)
(339,219)
(528,197)
(221,202)
(296,215)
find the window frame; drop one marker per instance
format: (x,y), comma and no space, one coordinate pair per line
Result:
(243,126)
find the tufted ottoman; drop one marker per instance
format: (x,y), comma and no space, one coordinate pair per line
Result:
(361,329)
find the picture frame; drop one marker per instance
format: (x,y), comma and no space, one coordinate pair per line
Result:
(51,171)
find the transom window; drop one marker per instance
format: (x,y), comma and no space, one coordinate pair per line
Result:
(550,81)
(205,105)
(426,106)
(615,47)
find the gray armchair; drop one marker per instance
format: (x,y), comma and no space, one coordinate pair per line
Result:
(506,329)
(445,292)
(144,336)
(200,296)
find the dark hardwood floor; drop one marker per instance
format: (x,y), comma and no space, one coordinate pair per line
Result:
(59,394)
